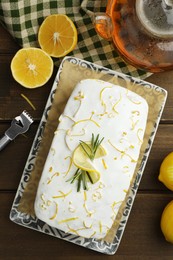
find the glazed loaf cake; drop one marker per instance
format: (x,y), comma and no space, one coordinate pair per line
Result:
(79,194)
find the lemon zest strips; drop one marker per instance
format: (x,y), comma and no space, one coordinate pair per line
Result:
(85,195)
(69,167)
(132,159)
(78,134)
(68,134)
(28,101)
(116,103)
(43,205)
(134,123)
(77,110)
(78,98)
(67,220)
(85,225)
(122,152)
(53,151)
(81,121)
(101,186)
(114,204)
(140,140)
(66,142)
(86,120)
(73,230)
(90,213)
(60,129)
(43,199)
(63,195)
(136,112)
(133,101)
(93,234)
(126,169)
(56,212)
(104,164)
(54,175)
(100,226)
(96,196)
(101,98)
(71,208)
(50,169)
(69,118)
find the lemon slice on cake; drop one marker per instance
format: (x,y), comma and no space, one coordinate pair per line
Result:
(81,159)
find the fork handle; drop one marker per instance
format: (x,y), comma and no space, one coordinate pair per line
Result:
(4,141)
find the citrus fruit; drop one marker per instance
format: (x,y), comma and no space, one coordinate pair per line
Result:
(166,171)
(57,35)
(99,152)
(81,160)
(31,67)
(167,222)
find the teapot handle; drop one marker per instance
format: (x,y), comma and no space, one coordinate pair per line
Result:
(108,7)
(103,25)
(102,21)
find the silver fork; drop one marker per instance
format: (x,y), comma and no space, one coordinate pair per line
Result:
(19,125)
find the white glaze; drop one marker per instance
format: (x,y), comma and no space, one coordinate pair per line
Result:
(120,117)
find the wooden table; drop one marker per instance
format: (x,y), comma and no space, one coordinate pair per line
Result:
(142,238)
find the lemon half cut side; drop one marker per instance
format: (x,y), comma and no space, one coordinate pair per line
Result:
(57,35)
(31,67)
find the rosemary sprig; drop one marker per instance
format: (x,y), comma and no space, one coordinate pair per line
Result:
(83,176)
(95,143)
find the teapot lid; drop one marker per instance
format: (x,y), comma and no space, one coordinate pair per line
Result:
(156,16)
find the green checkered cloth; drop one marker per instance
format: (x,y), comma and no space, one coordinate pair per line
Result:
(22,19)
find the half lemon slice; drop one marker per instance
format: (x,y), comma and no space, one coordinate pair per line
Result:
(57,35)
(31,67)
(82,161)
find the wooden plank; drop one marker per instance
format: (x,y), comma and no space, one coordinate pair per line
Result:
(14,156)
(162,146)
(7,43)
(142,238)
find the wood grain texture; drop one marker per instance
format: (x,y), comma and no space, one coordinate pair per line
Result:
(142,238)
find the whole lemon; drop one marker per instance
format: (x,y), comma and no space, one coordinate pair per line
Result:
(166,171)
(167,222)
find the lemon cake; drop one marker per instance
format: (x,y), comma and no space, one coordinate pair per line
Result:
(92,159)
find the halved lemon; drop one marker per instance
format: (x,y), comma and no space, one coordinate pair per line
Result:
(82,161)
(57,35)
(31,67)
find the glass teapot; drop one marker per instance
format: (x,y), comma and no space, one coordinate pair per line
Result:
(141,31)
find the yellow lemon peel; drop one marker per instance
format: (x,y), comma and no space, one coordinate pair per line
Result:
(167,222)
(166,171)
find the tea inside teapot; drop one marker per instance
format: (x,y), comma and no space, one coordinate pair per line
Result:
(156,16)
(141,31)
